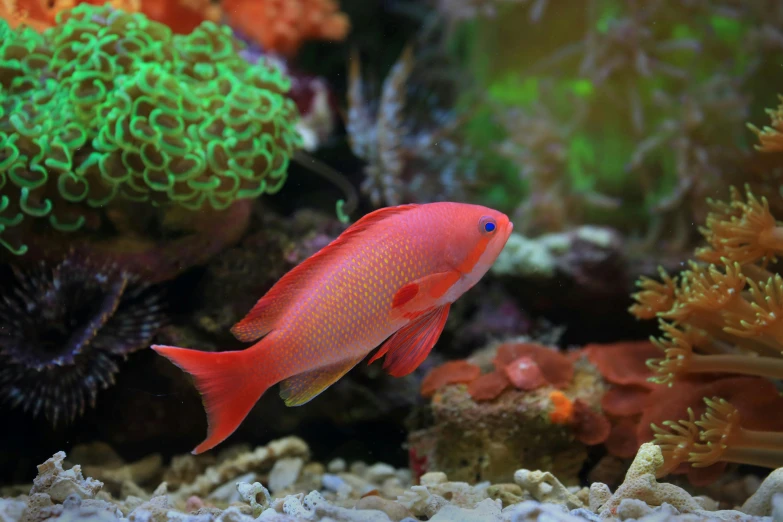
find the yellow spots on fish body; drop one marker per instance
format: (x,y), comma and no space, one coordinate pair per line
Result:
(349,310)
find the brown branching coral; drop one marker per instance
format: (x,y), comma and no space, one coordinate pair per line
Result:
(699,128)
(412,155)
(539,145)
(470,9)
(628,47)
(721,316)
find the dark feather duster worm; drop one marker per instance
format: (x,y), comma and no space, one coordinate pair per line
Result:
(64,330)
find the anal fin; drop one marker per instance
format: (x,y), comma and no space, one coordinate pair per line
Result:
(304,387)
(411,344)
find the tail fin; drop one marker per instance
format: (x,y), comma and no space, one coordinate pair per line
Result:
(230,383)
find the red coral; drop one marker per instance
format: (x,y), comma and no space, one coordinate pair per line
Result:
(453,372)
(525,374)
(556,368)
(634,404)
(623,441)
(624,401)
(754,398)
(624,363)
(488,386)
(182,16)
(417,463)
(590,427)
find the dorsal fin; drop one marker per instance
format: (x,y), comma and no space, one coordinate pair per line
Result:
(266,312)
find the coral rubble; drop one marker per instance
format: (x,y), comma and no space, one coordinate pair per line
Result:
(238,490)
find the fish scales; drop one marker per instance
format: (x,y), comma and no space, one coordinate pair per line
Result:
(388,280)
(346,310)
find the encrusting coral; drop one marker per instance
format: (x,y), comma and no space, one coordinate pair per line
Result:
(65,329)
(107,105)
(722,316)
(518,392)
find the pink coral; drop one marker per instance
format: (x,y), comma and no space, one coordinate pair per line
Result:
(525,374)
(453,372)
(556,368)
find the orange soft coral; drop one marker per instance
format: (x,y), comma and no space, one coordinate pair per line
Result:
(282,25)
(680,359)
(654,297)
(41,14)
(720,318)
(718,437)
(771,137)
(741,231)
(37,14)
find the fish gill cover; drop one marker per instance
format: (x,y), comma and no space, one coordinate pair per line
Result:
(108,105)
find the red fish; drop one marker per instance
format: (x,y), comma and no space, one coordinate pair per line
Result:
(391,276)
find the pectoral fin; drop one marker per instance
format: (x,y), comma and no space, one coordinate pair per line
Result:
(304,387)
(411,344)
(422,294)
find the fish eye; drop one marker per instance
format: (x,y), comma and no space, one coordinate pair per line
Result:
(487,225)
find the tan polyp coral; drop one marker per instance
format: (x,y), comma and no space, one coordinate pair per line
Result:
(766,317)
(724,440)
(742,231)
(770,136)
(676,443)
(723,317)
(680,359)
(654,297)
(704,292)
(717,437)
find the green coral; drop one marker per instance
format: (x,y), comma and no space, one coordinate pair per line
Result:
(108,104)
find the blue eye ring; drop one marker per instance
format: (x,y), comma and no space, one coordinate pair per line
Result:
(487,225)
